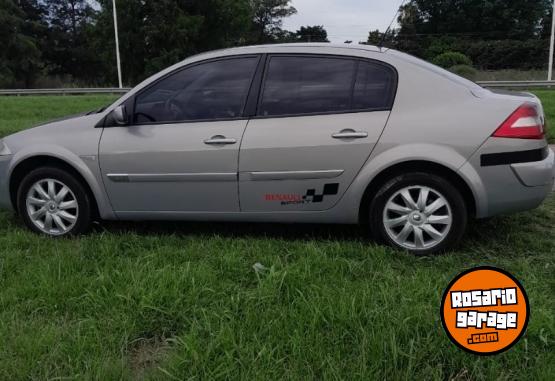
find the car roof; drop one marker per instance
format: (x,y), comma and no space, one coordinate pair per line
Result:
(270,48)
(311,45)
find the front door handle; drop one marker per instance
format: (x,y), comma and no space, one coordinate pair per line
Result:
(350,134)
(219,140)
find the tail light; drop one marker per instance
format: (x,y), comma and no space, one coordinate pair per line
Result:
(524,123)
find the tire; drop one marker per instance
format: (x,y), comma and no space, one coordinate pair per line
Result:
(68,213)
(415,226)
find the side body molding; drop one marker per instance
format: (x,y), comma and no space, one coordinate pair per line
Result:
(170,177)
(291,175)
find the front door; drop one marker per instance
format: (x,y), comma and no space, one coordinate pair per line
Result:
(180,153)
(319,117)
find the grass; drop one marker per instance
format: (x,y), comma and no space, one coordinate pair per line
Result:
(183,301)
(548,100)
(18,113)
(511,75)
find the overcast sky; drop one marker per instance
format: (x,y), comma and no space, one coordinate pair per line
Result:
(343,19)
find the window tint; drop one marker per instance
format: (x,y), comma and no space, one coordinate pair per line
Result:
(303,85)
(374,87)
(212,90)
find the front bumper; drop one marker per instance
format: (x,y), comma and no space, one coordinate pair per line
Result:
(5,201)
(504,188)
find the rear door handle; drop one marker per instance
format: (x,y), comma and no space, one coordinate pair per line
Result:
(219,140)
(350,134)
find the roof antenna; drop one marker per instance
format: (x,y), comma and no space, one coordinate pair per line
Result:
(380,46)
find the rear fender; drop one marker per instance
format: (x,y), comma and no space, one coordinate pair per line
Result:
(383,159)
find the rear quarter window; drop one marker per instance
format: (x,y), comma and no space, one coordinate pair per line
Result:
(374,87)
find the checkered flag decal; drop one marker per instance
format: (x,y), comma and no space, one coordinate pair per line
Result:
(329,190)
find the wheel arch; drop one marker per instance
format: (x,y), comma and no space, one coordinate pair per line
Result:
(415,166)
(28,164)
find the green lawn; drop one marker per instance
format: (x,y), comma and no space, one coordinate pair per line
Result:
(511,75)
(18,113)
(548,100)
(182,301)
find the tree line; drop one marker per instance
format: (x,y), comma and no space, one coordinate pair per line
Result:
(61,42)
(493,34)
(54,43)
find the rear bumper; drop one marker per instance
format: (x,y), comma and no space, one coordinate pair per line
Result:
(508,187)
(536,174)
(5,202)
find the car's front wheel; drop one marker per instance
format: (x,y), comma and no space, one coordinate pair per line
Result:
(419,212)
(52,202)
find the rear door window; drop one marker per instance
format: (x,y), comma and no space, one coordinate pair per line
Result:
(304,85)
(307,85)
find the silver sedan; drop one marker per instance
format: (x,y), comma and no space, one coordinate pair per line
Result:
(298,133)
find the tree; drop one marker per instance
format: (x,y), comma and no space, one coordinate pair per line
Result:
(132,38)
(282,36)
(495,34)
(156,34)
(74,39)
(375,37)
(19,56)
(268,18)
(546,24)
(169,42)
(225,23)
(484,19)
(68,48)
(315,33)
(35,22)
(35,28)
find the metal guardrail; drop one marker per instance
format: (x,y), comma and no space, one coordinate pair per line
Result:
(66,91)
(517,84)
(114,90)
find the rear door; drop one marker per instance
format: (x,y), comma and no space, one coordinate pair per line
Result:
(318,119)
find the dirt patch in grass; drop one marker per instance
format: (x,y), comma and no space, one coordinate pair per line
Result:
(146,354)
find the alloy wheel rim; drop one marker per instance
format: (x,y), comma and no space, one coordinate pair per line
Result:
(52,207)
(417,218)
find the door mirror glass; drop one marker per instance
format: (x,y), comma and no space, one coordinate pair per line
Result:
(120,115)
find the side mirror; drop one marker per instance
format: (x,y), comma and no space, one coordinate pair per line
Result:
(120,115)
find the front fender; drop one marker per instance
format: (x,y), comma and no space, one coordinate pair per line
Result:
(86,165)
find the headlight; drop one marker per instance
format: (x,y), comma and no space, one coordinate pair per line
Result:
(3,149)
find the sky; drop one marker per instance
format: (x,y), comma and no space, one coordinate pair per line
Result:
(343,19)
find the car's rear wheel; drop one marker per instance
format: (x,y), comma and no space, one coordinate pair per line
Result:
(419,212)
(52,202)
